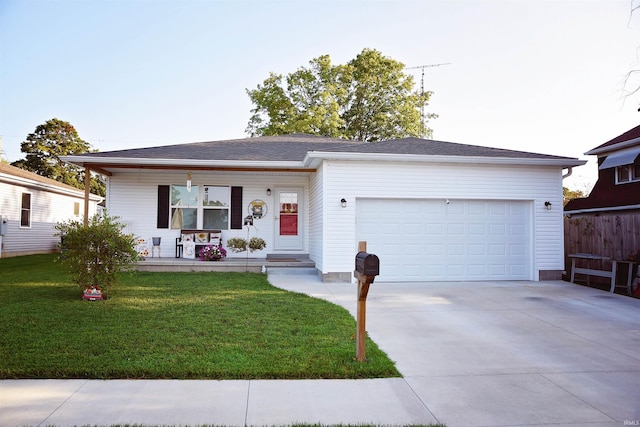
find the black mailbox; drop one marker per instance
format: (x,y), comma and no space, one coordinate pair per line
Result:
(367,264)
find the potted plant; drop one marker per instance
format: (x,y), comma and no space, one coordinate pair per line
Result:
(238,244)
(257,244)
(212,253)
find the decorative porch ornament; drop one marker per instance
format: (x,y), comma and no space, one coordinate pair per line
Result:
(258,209)
(189,176)
(92,293)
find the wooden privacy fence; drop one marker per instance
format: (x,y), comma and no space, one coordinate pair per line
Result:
(613,236)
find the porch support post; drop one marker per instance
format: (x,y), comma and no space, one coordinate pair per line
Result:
(87,191)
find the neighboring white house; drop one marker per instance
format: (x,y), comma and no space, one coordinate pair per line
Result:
(430,210)
(31,206)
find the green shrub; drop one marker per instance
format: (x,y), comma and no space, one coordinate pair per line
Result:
(95,253)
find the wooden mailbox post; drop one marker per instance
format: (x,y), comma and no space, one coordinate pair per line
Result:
(367,268)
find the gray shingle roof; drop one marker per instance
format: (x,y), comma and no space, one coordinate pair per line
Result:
(295,147)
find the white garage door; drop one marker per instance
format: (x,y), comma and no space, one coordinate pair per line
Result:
(430,240)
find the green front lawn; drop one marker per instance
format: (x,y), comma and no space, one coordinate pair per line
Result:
(172,325)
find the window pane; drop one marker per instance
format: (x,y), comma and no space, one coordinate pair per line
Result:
(636,172)
(623,173)
(215,219)
(288,202)
(24,218)
(26,201)
(184,218)
(216,196)
(181,197)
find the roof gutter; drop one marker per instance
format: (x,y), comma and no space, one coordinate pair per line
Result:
(612,208)
(314,157)
(37,185)
(128,162)
(614,147)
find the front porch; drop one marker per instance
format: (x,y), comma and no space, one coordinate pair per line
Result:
(297,262)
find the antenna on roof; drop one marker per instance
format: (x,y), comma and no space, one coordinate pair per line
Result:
(422,67)
(3,154)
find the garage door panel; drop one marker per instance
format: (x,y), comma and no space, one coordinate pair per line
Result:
(497,209)
(477,209)
(476,270)
(497,229)
(433,250)
(456,209)
(432,229)
(479,250)
(517,230)
(497,250)
(464,240)
(453,250)
(517,250)
(477,229)
(497,271)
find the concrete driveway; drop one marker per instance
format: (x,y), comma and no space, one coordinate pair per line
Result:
(505,353)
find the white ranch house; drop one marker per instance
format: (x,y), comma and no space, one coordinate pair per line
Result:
(430,210)
(31,206)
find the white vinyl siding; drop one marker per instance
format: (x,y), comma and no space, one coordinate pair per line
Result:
(316,217)
(355,180)
(47,209)
(133,197)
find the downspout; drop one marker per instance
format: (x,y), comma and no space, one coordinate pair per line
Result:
(569,172)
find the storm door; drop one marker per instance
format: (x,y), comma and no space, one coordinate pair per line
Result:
(288,219)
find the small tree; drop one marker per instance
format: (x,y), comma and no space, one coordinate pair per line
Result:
(96,253)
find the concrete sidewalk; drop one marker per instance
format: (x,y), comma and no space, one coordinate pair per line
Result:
(472,354)
(231,403)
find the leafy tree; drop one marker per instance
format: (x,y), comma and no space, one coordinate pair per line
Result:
(45,146)
(95,253)
(368,99)
(571,194)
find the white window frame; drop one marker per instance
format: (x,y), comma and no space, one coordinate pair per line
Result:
(172,206)
(631,175)
(29,209)
(200,205)
(226,204)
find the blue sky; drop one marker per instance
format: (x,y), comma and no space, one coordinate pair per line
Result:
(542,75)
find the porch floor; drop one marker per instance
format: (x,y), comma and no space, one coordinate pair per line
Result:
(252,265)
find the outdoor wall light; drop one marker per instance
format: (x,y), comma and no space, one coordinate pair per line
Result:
(547,205)
(343,202)
(268,191)
(189,176)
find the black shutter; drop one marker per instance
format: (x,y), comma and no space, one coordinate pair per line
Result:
(163,206)
(236,208)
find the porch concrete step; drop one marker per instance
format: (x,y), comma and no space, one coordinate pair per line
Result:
(278,257)
(292,270)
